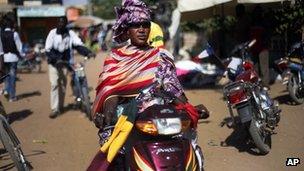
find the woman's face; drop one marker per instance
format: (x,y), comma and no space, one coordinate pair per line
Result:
(139,33)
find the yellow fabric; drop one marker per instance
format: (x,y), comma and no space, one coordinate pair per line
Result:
(156,36)
(117,139)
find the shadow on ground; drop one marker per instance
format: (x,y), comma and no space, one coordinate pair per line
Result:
(285,99)
(5,156)
(30,94)
(239,138)
(19,115)
(7,167)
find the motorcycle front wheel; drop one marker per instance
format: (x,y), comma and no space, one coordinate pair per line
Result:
(293,86)
(261,138)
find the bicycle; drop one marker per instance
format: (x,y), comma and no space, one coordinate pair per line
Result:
(10,141)
(80,84)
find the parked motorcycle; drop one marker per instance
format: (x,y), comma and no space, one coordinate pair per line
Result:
(80,85)
(39,49)
(257,112)
(204,69)
(158,140)
(30,62)
(292,69)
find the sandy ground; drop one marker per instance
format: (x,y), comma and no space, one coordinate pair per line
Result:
(70,141)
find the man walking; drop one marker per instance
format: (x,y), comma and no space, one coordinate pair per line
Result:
(12,50)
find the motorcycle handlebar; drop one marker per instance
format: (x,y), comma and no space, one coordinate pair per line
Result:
(243,46)
(252,43)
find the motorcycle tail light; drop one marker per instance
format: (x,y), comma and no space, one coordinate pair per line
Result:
(283,65)
(237,96)
(147,127)
(248,65)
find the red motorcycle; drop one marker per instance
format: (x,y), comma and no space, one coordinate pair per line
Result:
(158,140)
(256,110)
(292,70)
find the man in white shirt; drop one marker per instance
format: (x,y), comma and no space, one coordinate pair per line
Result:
(12,50)
(59,45)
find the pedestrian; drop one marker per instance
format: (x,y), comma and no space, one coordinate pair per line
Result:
(59,47)
(12,51)
(242,25)
(260,50)
(1,58)
(156,36)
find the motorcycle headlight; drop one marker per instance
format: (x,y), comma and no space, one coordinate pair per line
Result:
(162,126)
(168,126)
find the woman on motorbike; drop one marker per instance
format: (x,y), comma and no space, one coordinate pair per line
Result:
(127,70)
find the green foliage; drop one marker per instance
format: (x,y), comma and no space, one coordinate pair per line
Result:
(105,8)
(289,18)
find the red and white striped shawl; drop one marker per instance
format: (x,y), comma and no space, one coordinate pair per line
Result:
(126,69)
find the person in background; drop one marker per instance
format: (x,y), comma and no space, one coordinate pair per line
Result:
(101,37)
(59,46)
(156,36)
(260,50)
(242,25)
(12,51)
(108,42)
(1,54)
(1,58)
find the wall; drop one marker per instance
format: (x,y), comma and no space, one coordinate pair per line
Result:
(36,28)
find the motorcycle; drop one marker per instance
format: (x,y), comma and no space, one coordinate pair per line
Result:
(292,69)
(206,68)
(79,84)
(158,140)
(30,62)
(39,49)
(257,112)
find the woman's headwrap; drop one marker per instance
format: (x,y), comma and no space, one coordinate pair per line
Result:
(131,11)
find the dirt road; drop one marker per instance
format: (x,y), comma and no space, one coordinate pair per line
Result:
(70,141)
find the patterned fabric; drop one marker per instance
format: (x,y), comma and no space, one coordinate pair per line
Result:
(128,69)
(132,11)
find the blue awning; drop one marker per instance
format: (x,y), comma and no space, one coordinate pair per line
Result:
(41,11)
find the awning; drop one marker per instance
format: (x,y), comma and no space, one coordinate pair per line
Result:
(258,1)
(41,11)
(6,8)
(194,5)
(87,21)
(74,2)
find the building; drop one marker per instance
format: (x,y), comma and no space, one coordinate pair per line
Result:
(37,17)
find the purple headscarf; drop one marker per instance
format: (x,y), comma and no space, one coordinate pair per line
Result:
(131,11)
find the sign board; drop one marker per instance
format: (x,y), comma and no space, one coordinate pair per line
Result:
(41,11)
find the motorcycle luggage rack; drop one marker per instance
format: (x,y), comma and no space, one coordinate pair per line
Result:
(233,85)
